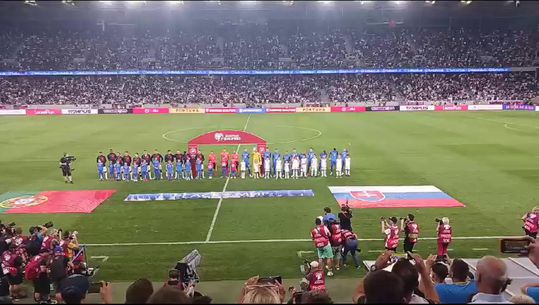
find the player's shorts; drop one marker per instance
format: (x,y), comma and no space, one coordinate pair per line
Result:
(337,251)
(326,252)
(66,171)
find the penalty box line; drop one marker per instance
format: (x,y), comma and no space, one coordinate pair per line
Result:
(254,241)
(214,219)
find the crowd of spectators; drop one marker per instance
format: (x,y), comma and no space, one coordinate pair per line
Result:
(251,46)
(260,90)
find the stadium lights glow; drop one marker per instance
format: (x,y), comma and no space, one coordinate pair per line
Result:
(398,2)
(30,2)
(216,2)
(68,2)
(430,2)
(177,2)
(325,2)
(136,2)
(106,2)
(248,2)
(465,2)
(288,3)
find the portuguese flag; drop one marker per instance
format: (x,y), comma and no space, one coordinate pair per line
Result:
(52,202)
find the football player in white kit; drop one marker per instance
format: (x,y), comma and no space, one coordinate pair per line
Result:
(295,167)
(338,167)
(323,165)
(267,167)
(314,166)
(347,166)
(242,168)
(303,167)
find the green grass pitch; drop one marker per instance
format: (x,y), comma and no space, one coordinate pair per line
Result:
(488,161)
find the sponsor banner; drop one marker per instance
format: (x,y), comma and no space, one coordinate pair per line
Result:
(313,109)
(452,108)
(252,110)
(32,112)
(79,111)
(151,110)
(348,109)
(423,196)
(536,108)
(383,108)
(186,110)
(115,111)
(416,108)
(12,111)
(519,107)
(221,110)
(52,202)
(485,107)
(219,195)
(227,137)
(281,110)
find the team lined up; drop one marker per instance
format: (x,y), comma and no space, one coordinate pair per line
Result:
(189,166)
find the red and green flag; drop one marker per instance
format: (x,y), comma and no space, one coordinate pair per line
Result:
(52,202)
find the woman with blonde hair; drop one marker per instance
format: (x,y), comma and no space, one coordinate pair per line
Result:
(257,291)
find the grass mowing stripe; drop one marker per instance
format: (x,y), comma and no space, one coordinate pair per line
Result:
(247,241)
(210,231)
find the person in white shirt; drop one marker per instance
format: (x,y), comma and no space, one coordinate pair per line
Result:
(256,170)
(491,277)
(267,168)
(278,168)
(323,165)
(338,167)
(314,167)
(295,167)
(242,169)
(286,169)
(347,166)
(303,173)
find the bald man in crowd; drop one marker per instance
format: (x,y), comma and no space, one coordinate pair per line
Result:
(491,281)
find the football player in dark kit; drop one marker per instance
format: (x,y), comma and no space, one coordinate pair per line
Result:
(65,165)
(112,157)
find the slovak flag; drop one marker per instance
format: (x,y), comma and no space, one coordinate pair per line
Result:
(369,196)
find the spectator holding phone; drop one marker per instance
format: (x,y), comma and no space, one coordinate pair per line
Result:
(461,288)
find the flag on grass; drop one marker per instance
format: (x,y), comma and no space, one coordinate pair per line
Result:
(421,196)
(51,202)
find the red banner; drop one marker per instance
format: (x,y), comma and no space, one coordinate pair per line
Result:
(281,110)
(53,202)
(452,108)
(221,110)
(348,109)
(151,110)
(227,137)
(33,112)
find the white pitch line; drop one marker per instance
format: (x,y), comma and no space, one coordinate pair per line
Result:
(210,231)
(479,249)
(248,241)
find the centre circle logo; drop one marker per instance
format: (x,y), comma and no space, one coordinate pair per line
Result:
(23,201)
(219,137)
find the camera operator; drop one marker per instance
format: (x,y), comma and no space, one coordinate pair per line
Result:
(345,216)
(411,232)
(65,165)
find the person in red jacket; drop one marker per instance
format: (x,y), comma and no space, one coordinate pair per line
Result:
(336,242)
(316,277)
(391,232)
(320,236)
(531,222)
(411,232)
(445,235)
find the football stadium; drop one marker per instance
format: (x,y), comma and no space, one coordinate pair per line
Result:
(269,152)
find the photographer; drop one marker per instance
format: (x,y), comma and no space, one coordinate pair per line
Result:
(345,216)
(411,232)
(65,165)
(391,231)
(445,235)
(531,222)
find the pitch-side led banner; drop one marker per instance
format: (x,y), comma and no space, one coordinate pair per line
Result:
(313,109)
(485,107)
(519,107)
(12,112)
(252,110)
(416,108)
(383,108)
(115,111)
(348,109)
(186,110)
(151,110)
(221,110)
(32,112)
(79,111)
(281,110)
(452,108)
